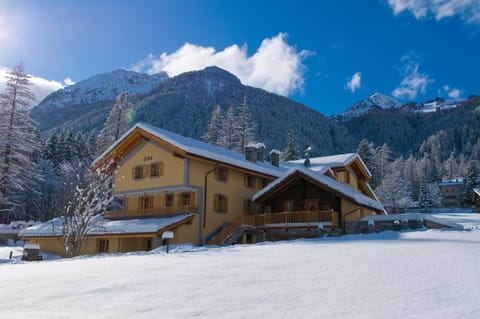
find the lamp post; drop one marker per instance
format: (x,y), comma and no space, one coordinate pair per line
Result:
(166,236)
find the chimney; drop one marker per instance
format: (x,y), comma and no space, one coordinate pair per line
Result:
(251,153)
(260,152)
(275,157)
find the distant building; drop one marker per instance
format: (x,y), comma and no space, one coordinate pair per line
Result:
(476,198)
(451,192)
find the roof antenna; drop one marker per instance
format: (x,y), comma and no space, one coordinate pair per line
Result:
(307,156)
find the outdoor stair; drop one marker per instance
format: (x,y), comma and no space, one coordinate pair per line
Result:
(228,231)
(233,238)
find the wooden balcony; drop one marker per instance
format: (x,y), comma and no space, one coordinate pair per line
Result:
(151,212)
(297,219)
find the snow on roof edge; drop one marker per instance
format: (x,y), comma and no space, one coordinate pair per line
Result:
(359,198)
(199,148)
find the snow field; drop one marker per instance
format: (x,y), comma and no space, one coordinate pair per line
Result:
(424,274)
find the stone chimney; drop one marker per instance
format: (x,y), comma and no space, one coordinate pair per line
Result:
(275,157)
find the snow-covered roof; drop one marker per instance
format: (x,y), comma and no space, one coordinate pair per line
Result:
(357,197)
(477,191)
(201,149)
(104,226)
(333,161)
(451,182)
(275,151)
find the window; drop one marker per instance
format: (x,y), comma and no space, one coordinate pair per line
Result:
(288,205)
(155,169)
(103,245)
(221,174)
(169,200)
(347,176)
(138,172)
(145,202)
(184,199)
(249,180)
(220,203)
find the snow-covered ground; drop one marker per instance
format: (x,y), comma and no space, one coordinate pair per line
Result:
(423,274)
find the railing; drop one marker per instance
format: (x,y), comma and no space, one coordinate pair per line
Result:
(226,232)
(301,218)
(150,212)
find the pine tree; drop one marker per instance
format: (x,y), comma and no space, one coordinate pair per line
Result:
(369,156)
(469,183)
(291,151)
(118,122)
(215,130)
(18,171)
(229,129)
(245,126)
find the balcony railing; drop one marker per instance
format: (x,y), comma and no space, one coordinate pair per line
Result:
(301,218)
(151,212)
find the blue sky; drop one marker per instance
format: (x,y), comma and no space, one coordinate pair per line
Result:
(325,54)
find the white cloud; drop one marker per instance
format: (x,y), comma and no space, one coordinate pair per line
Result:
(40,87)
(275,66)
(355,82)
(452,93)
(467,10)
(68,81)
(413,82)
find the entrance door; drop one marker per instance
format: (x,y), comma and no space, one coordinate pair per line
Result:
(311,205)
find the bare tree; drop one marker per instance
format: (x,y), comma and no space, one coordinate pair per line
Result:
(81,215)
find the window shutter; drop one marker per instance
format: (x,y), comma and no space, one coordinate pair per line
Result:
(146,170)
(133,172)
(192,199)
(226,203)
(216,172)
(179,199)
(140,202)
(160,168)
(226,174)
(215,202)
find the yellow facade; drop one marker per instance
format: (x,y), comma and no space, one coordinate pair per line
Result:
(154,179)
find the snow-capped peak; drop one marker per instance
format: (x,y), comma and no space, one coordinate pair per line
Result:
(375,101)
(103,87)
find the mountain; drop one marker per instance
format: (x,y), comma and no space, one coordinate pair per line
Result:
(184,103)
(376,101)
(407,129)
(435,105)
(102,87)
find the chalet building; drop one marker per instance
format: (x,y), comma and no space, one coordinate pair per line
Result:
(209,195)
(451,192)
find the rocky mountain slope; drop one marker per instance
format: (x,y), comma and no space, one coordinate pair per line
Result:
(183,104)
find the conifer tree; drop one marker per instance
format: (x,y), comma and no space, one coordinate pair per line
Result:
(291,151)
(245,127)
(18,170)
(469,183)
(229,129)
(118,122)
(369,156)
(215,131)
